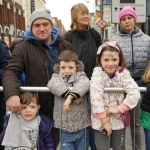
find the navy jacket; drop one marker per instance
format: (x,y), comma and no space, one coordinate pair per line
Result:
(46,138)
(4,59)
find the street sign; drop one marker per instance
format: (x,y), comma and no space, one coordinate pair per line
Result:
(101,23)
(32,6)
(138,5)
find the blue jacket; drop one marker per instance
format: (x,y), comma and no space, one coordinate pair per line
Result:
(46,138)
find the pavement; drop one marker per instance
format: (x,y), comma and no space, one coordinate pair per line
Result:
(128,140)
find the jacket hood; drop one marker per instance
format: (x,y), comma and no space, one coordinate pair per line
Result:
(28,35)
(45,125)
(80,67)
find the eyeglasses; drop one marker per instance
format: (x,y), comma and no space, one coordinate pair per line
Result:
(84,14)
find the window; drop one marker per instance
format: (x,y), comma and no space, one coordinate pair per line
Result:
(106,1)
(127,1)
(6,32)
(96,3)
(18,34)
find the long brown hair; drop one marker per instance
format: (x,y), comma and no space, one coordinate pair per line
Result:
(146,75)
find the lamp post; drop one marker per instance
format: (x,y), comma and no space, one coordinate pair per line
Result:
(14,17)
(93,12)
(101,11)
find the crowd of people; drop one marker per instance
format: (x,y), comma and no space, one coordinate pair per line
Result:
(77,112)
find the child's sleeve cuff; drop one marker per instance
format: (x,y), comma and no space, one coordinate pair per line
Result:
(123,108)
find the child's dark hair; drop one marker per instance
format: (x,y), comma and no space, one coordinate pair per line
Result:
(67,56)
(28,97)
(122,61)
(146,75)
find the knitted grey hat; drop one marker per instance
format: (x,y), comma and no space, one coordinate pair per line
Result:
(41,13)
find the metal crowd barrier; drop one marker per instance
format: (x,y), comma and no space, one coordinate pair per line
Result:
(45,89)
(110,89)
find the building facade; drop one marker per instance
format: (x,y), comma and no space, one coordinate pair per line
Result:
(29,6)
(14,17)
(58,24)
(11,18)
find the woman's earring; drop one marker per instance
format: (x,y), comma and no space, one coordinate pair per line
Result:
(74,26)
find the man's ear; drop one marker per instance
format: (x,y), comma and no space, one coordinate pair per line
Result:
(57,65)
(77,65)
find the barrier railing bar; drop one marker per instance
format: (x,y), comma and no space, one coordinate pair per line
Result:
(45,89)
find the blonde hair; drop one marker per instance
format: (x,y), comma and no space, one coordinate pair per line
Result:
(146,75)
(74,12)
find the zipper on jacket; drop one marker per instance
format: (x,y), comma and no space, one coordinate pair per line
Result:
(38,146)
(47,71)
(46,64)
(132,55)
(50,96)
(48,131)
(52,53)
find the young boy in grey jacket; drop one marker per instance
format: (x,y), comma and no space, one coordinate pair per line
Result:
(70,84)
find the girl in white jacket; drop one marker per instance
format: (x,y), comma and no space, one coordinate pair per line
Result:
(108,108)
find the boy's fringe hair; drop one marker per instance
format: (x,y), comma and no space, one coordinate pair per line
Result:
(146,75)
(67,56)
(28,97)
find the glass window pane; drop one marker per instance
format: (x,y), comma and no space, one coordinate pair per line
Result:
(127,1)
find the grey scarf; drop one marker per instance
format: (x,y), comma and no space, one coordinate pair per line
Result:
(14,135)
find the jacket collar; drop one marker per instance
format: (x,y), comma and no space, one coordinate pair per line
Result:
(136,30)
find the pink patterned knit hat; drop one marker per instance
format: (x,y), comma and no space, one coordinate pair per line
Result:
(127,10)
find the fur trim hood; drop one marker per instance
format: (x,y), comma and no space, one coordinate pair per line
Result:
(80,67)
